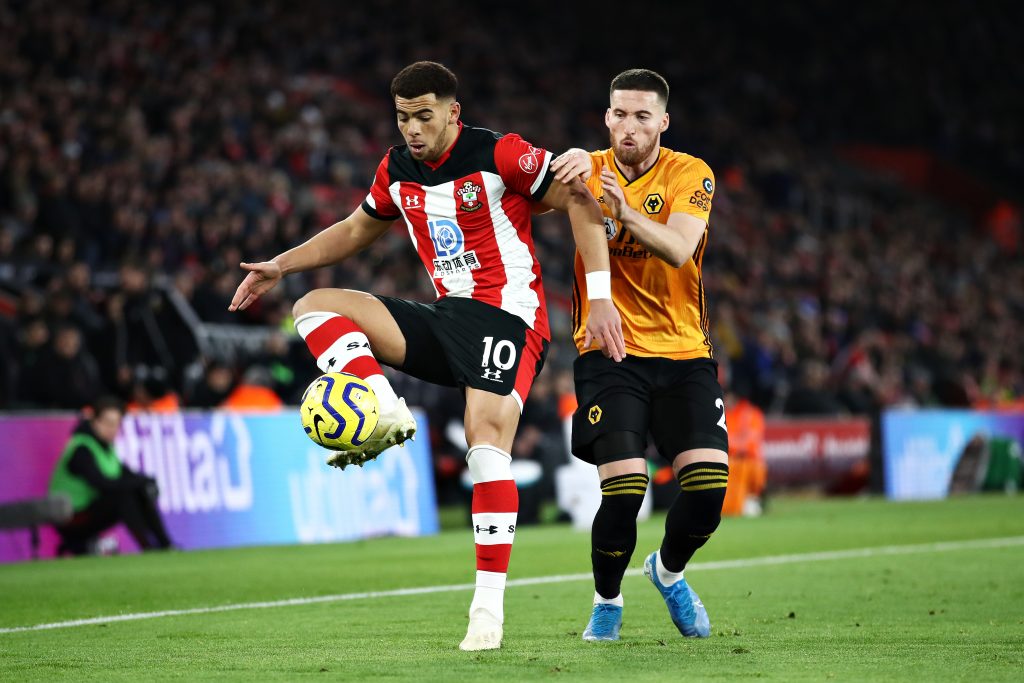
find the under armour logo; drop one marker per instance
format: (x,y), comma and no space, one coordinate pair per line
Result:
(492,374)
(330,363)
(411,201)
(489,529)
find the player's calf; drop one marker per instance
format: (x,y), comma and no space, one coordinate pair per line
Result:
(695,514)
(495,510)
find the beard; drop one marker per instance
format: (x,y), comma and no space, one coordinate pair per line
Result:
(634,155)
(440,147)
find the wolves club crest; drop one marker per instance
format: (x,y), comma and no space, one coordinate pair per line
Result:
(469,194)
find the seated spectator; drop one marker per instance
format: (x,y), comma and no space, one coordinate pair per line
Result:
(215,387)
(103,491)
(152,394)
(72,376)
(810,395)
(253,393)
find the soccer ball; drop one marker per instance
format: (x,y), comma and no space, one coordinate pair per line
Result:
(339,411)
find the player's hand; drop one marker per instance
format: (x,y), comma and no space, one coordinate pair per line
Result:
(572,164)
(613,197)
(604,328)
(261,279)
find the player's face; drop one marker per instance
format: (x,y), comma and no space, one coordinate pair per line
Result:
(428,125)
(635,120)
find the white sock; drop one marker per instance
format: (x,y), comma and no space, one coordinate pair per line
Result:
(490,594)
(666,577)
(600,600)
(386,395)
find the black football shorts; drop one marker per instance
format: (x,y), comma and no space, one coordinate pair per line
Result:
(679,402)
(459,342)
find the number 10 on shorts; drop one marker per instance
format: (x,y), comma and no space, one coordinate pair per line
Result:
(502,354)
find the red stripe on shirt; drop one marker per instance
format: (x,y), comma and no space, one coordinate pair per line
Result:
(517,208)
(479,231)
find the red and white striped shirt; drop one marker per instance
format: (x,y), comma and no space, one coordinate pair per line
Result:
(468,215)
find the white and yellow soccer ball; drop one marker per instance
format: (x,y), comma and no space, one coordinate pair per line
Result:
(339,411)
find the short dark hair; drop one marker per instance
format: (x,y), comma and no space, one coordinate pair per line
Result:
(641,79)
(104,403)
(422,78)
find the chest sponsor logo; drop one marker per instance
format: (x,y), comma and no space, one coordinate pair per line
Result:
(447,237)
(460,263)
(625,245)
(449,246)
(469,194)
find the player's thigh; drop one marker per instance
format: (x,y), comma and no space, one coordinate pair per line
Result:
(688,412)
(613,402)
(489,349)
(617,468)
(491,418)
(426,357)
(386,338)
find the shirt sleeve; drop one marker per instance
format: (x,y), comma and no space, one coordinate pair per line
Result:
(378,203)
(523,168)
(694,190)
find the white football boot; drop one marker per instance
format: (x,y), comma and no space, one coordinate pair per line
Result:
(393,428)
(484,632)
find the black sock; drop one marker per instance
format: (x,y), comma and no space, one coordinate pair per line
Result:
(613,536)
(695,514)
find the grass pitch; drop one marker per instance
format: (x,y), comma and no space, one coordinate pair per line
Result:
(916,611)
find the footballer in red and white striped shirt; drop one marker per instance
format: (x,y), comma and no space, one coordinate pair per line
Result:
(465,195)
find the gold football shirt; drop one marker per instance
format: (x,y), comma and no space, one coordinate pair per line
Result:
(663,309)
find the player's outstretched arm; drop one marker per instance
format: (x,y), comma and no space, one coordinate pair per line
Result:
(604,325)
(674,246)
(329,246)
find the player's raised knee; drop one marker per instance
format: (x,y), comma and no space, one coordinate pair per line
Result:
(306,304)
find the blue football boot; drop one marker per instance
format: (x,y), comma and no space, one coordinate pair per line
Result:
(685,608)
(605,622)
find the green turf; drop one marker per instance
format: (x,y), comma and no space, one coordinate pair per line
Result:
(946,615)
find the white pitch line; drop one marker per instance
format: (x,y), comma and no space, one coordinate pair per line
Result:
(743,563)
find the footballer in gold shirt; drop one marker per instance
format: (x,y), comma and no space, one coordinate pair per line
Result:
(656,204)
(664,312)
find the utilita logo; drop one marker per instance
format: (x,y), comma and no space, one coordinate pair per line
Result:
(199,468)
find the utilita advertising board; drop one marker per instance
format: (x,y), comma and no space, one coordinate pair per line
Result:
(229,479)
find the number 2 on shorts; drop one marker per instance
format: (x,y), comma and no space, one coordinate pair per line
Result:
(720,404)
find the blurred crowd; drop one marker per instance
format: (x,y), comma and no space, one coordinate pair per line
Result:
(146,148)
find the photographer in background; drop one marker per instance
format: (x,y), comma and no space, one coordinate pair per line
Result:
(103,491)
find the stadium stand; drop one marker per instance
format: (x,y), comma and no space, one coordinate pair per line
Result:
(146,148)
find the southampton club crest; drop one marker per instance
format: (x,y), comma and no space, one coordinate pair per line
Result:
(469,194)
